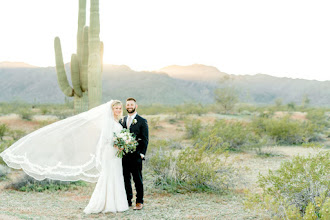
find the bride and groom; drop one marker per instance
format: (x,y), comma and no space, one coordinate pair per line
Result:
(82,147)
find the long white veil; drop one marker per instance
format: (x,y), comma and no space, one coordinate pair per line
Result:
(68,150)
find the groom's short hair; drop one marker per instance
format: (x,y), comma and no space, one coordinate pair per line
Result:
(130,99)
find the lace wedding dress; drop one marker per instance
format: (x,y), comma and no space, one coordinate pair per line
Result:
(109,194)
(76,148)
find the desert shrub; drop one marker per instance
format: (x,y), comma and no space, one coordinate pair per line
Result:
(156,144)
(155,109)
(233,135)
(193,127)
(210,141)
(186,108)
(26,114)
(44,110)
(192,108)
(3,130)
(284,130)
(27,184)
(190,171)
(4,170)
(244,108)
(299,189)
(154,122)
(16,134)
(4,145)
(318,117)
(172,120)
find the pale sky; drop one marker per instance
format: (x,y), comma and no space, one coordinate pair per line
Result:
(286,38)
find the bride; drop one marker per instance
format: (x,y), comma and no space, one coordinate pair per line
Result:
(77,148)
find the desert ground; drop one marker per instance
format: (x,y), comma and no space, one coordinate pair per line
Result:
(159,204)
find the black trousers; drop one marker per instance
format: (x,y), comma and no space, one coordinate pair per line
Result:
(132,167)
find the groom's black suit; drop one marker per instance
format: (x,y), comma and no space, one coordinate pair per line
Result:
(132,162)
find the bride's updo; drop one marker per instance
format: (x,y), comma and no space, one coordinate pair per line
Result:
(115,103)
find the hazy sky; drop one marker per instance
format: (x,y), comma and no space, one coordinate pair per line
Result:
(288,38)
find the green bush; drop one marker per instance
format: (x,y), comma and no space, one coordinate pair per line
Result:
(285,130)
(190,171)
(3,130)
(156,144)
(154,123)
(318,117)
(233,135)
(4,170)
(26,114)
(27,184)
(44,110)
(16,134)
(299,189)
(4,145)
(193,127)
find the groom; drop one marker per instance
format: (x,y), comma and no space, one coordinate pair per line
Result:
(132,162)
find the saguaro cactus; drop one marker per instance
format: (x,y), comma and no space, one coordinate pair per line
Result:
(86,64)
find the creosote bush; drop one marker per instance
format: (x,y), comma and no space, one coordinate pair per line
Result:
(193,127)
(299,189)
(232,135)
(190,170)
(285,130)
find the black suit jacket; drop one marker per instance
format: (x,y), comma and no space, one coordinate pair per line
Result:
(141,131)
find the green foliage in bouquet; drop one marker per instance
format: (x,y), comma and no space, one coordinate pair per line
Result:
(126,142)
(299,189)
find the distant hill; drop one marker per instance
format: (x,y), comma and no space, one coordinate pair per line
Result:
(196,72)
(8,64)
(170,85)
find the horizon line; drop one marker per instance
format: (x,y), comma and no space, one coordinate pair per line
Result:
(156,70)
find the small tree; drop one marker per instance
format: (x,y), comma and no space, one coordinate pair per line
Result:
(226,97)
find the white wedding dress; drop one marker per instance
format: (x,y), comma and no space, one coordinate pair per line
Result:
(109,194)
(76,148)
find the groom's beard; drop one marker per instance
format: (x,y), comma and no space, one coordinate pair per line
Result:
(130,110)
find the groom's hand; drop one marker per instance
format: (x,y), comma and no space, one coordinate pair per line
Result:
(142,156)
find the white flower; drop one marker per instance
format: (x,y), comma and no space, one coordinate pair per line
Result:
(134,121)
(121,135)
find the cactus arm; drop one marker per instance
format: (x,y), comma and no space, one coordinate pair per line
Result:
(101,54)
(81,24)
(75,75)
(84,63)
(61,74)
(94,60)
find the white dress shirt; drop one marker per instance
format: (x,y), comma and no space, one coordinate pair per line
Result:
(132,118)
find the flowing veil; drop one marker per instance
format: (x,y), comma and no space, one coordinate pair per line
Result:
(68,150)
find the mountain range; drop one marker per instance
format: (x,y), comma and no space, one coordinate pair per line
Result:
(170,85)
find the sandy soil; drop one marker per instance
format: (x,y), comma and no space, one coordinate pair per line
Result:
(158,205)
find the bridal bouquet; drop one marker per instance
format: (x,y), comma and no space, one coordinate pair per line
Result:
(125,140)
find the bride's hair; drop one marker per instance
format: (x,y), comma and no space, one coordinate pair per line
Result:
(117,102)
